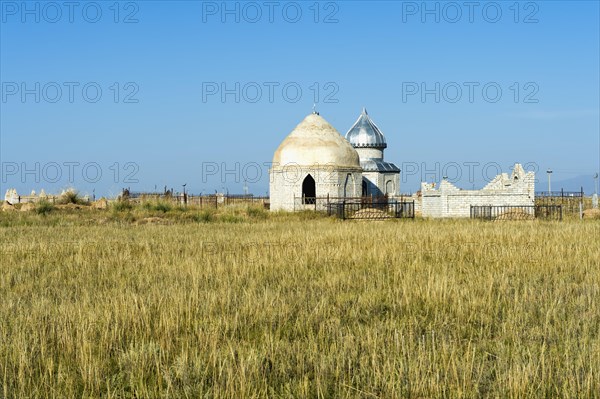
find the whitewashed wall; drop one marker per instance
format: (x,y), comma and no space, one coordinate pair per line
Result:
(286,185)
(449,201)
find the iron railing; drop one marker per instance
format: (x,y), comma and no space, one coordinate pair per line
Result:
(561,193)
(376,210)
(516,212)
(322,203)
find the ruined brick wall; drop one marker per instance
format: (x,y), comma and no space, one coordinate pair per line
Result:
(449,201)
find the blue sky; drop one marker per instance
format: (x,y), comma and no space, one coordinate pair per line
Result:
(162,119)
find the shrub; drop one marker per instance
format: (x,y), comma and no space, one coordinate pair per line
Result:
(71,197)
(205,216)
(159,206)
(121,205)
(162,207)
(43,207)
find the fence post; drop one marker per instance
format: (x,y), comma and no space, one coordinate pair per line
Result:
(560,210)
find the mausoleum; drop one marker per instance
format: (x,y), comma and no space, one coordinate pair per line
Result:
(314,160)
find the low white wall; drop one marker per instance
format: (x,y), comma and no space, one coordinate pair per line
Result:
(450,201)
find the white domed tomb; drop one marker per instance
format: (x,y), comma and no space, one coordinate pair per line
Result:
(313,161)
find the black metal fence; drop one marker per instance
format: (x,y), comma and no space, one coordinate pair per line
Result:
(369,209)
(570,201)
(516,212)
(322,203)
(561,194)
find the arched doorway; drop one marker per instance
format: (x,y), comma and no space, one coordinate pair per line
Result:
(389,187)
(308,190)
(365,191)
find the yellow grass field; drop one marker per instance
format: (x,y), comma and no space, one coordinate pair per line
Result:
(149,304)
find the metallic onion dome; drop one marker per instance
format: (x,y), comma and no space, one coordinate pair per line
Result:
(365,133)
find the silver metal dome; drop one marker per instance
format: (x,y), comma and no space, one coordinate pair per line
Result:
(365,133)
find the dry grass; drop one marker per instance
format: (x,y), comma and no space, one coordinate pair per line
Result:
(242,304)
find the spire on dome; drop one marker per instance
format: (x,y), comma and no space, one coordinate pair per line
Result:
(365,133)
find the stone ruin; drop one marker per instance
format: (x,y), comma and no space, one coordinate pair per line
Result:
(449,201)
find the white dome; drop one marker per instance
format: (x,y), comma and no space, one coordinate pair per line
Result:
(315,142)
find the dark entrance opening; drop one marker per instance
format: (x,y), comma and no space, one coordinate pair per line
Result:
(364,189)
(308,190)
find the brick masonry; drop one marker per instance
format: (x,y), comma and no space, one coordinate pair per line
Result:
(449,201)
